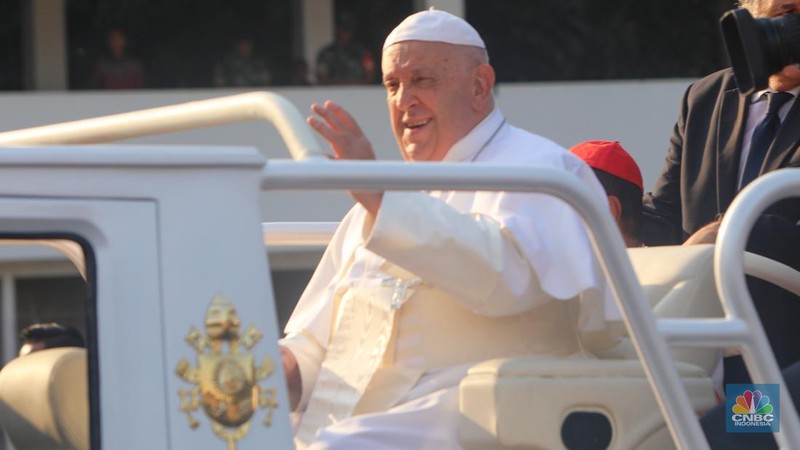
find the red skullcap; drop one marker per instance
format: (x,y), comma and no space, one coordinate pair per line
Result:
(609,157)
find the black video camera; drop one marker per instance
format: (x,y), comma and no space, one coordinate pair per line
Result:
(759,48)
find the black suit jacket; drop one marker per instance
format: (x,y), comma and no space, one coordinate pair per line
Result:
(700,173)
(698,183)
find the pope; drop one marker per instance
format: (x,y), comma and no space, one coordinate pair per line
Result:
(415,287)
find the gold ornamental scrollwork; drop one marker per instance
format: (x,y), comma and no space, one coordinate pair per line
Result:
(226,377)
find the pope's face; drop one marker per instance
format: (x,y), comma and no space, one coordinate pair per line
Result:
(428,92)
(789,77)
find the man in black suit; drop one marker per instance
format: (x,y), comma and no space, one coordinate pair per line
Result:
(705,168)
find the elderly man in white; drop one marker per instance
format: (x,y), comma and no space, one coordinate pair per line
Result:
(417,286)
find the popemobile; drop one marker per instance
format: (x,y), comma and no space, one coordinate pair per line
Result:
(181,322)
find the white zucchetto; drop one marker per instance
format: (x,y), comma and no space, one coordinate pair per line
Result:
(435,26)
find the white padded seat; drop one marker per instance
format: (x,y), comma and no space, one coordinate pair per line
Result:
(678,281)
(521,403)
(44,400)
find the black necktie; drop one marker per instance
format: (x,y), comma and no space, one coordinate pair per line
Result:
(763,135)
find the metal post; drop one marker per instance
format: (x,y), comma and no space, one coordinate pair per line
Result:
(8,298)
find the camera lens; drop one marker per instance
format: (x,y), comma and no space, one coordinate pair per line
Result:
(759,48)
(780,41)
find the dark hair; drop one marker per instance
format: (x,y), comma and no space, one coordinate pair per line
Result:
(630,198)
(53,335)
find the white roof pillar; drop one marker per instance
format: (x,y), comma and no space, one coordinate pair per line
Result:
(45,45)
(318,24)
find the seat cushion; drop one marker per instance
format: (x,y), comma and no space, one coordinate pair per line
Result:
(521,403)
(44,400)
(678,281)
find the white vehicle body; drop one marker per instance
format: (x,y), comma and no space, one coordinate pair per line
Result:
(166,229)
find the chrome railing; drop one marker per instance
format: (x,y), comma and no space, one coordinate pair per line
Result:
(742,320)
(605,237)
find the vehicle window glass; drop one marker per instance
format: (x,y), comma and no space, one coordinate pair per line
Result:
(175,44)
(591,40)
(43,306)
(291,269)
(10,45)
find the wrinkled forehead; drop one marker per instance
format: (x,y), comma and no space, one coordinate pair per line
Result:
(414,48)
(425,53)
(410,57)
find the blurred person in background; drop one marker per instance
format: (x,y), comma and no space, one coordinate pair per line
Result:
(345,61)
(243,67)
(117,69)
(41,336)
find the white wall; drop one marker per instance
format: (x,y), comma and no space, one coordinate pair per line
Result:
(640,114)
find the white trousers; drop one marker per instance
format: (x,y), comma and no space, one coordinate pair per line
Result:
(428,421)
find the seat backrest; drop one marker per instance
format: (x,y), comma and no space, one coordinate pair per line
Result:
(678,281)
(44,400)
(607,400)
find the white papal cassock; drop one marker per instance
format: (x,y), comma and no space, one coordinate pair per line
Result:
(398,309)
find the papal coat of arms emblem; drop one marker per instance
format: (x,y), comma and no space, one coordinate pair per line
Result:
(226,377)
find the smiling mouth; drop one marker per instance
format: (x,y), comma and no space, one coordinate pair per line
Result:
(417,124)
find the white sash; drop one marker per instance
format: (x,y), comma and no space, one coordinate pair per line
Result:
(355,352)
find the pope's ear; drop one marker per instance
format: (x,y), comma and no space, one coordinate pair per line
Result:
(483,85)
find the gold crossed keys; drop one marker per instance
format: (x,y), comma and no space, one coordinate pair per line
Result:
(226,379)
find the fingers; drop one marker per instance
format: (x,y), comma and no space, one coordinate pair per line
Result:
(341,131)
(343,117)
(323,129)
(335,139)
(336,117)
